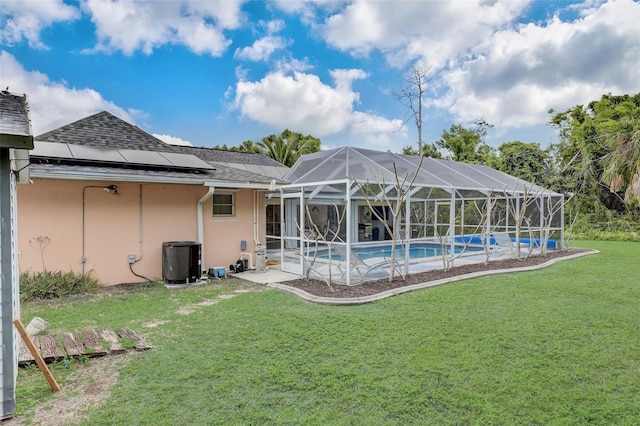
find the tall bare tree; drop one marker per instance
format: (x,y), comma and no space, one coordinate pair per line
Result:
(412,95)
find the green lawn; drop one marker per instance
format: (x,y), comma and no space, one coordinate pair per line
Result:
(556,346)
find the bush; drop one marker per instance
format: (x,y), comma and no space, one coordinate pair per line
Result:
(605,225)
(51,285)
(595,234)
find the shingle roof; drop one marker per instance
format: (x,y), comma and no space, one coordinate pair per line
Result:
(15,125)
(104,130)
(221,156)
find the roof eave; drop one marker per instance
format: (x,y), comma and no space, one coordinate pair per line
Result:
(16,141)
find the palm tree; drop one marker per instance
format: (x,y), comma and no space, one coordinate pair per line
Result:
(289,146)
(622,165)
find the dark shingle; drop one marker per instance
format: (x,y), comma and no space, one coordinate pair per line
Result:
(104,130)
(222,156)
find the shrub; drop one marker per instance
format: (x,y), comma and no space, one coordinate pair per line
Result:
(605,225)
(51,285)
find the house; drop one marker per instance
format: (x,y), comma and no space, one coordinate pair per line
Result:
(15,141)
(108,197)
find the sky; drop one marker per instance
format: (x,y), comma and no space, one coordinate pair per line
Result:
(210,73)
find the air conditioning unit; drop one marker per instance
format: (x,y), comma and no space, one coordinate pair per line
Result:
(181,262)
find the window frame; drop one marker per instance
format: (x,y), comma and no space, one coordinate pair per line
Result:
(232,204)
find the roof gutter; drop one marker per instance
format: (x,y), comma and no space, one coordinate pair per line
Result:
(271,186)
(110,177)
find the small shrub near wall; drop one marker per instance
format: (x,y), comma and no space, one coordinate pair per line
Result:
(51,285)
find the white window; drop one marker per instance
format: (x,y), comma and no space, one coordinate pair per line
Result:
(223,205)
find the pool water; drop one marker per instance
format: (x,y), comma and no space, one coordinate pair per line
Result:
(416,251)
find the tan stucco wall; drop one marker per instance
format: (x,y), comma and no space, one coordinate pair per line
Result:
(53,208)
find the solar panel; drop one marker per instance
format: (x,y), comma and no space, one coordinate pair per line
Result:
(186,160)
(150,158)
(50,149)
(83,152)
(121,156)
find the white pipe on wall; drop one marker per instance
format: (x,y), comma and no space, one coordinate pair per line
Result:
(256,216)
(140,238)
(201,201)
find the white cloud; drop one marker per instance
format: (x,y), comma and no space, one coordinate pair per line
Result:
(303,103)
(344,78)
(172,140)
(376,130)
(437,32)
(130,26)
(290,65)
(54,104)
(22,19)
(261,49)
(300,101)
(519,74)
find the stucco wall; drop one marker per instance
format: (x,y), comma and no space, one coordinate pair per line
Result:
(53,208)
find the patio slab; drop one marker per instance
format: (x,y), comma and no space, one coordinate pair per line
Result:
(270,276)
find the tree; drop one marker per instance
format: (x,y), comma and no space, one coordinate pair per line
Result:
(289,146)
(428,150)
(526,161)
(411,96)
(599,150)
(466,145)
(622,164)
(246,146)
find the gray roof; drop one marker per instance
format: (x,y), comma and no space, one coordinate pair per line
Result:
(15,125)
(108,132)
(104,130)
(212,155)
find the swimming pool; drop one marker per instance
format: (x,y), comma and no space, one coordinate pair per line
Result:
(416,251)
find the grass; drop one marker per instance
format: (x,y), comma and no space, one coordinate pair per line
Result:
(554,346)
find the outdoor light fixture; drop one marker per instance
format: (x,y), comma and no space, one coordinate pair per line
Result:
(113,188)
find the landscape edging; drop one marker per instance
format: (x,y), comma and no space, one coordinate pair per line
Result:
(400,290)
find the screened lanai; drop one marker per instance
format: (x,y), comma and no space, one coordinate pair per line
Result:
(351,214)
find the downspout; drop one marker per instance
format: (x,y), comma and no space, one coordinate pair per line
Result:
(204,198)
(140,239)
(256,216)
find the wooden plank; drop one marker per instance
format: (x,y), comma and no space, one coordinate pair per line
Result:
(25,356)
(49,348)
(72,344)
(41,364)
(140,344)
(92,343)
(111,338)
